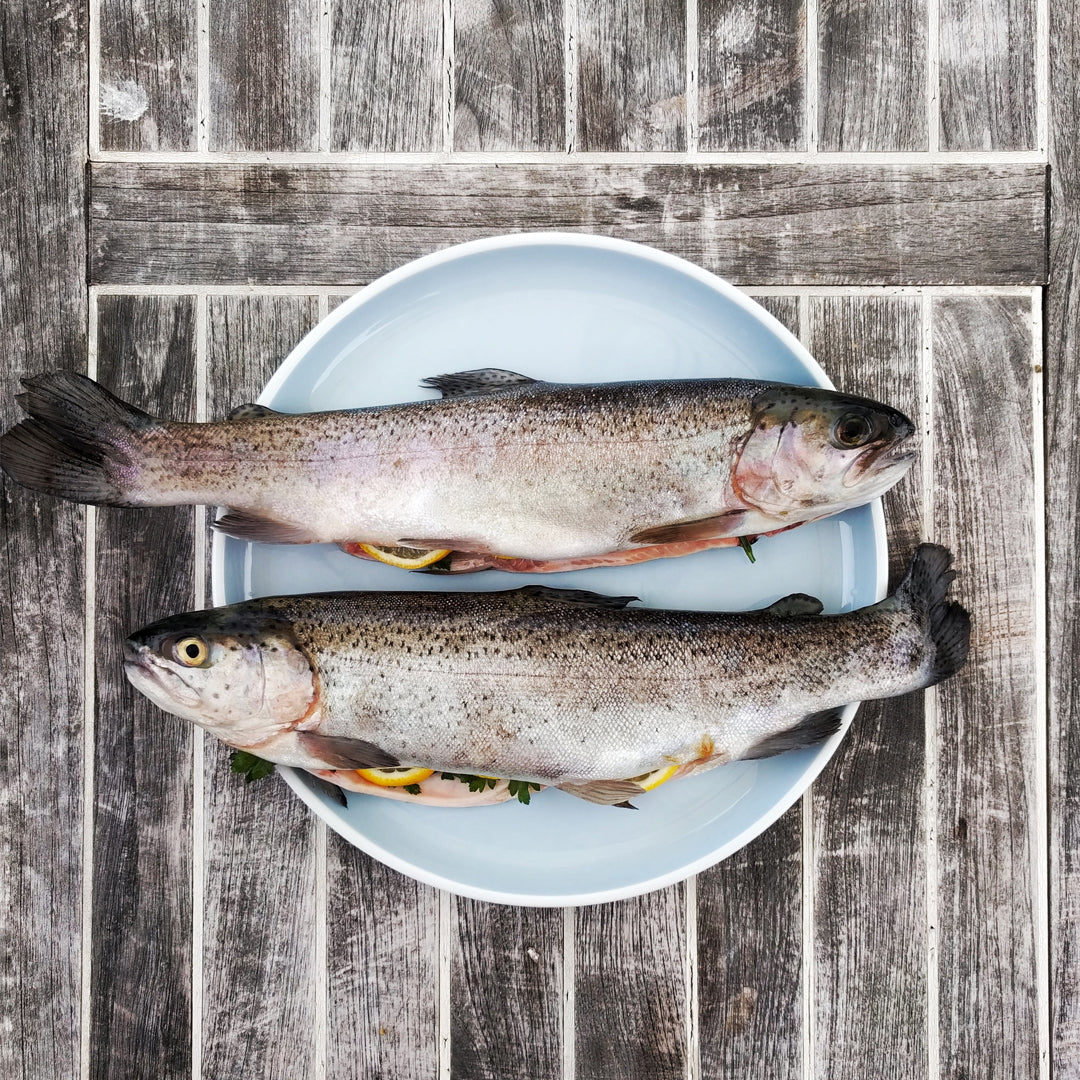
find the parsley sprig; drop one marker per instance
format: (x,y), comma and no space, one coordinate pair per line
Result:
(519,789)
(250,766)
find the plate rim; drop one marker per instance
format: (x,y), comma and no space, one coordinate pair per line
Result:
(331,814)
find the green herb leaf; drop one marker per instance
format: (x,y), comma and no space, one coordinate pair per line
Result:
(520,789)
(745,543)
(250,766)
(476,783)
(412,789)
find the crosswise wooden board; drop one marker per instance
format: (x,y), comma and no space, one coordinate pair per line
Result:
(192,186)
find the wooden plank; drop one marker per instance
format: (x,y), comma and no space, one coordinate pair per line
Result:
(387,85)
(872,75)
(43,300)
(750,958)
(984,511)
(630,996)
(147,75)
(264,75)
(1062,428)
(382,970)
(751,74)
(505,992)
(850,224)
(749,931)
(987,87)
(869,821)
(631,86)
(141,929)
(510,90)
(259,846)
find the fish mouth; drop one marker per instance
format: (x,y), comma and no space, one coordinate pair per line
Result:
(879,460)
(163,687)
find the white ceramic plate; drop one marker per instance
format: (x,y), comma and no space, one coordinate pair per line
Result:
(576,309)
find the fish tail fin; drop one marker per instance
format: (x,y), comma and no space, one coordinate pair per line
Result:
(948,625)
(79,441)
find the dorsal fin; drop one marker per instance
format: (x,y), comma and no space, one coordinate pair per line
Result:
(250,411)
(798,603)
(579,597)
(476,383)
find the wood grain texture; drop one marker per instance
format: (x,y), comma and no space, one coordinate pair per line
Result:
(987,88)
(43,126)
(630,996)
(631,75)
(147,75)
(382,969)
(1062,383)
(387,84)
(751,74)
(264,75)
(750,958)
(753,224)
(984,512)
(141,960)
(869,821)
(872,75)
(505,992)
(510,90)
(259,961)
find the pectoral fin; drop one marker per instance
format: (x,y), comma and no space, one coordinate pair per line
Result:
(245,526)
(604,792)
(343,753)
(682,532)
(476,383)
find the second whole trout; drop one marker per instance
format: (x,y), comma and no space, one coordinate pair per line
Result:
(503,470)
(556,687)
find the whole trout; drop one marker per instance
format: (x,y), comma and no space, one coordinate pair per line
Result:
(557,687)
(503,470)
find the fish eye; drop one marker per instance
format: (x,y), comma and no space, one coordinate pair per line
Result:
(191,651)
(853,429)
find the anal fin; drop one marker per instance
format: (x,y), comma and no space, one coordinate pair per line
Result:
(247,526)
(797,603)
(681,532)
(809,731)
(604,792)
(340,752)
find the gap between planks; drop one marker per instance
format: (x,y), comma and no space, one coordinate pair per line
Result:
(549,157)
(811,83)
(933,76)
(569,978)
(692,71)
(89,685)
(570,72)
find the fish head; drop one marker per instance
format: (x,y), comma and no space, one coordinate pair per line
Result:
(239,674)
(812,452)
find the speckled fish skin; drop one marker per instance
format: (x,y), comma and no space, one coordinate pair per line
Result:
(503,465)
(553,686)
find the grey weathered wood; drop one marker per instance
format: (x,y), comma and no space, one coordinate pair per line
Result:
(754,224)
(43,326)
(509,84)
(382,970)
(751,75)
(630,994)
(987,87)
(750,958)
(387,81)
(147,75)
(984,511)
(872,75)
(631,86)
(264,75)
(1062,378)
(141,944)
(259,960)
(869,822)
(505,992)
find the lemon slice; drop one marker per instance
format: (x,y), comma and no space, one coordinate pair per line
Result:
(395,777)
(654,779)
(406,558)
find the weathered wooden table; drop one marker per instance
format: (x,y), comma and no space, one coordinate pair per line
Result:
(876,173)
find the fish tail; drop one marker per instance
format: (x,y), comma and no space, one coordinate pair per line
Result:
(948,625)
(79,442)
